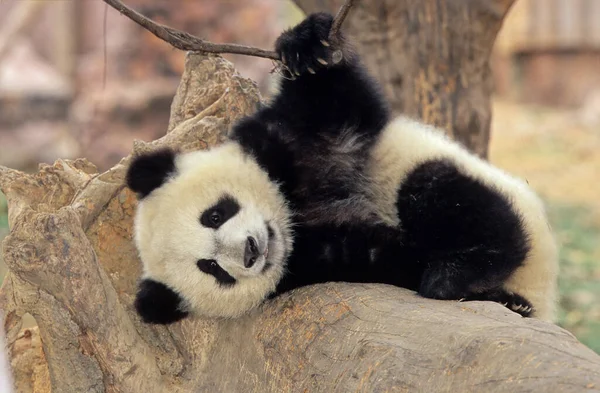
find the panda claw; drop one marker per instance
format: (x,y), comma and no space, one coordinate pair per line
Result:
(321,61)
(297,73)
(311,70)
(325,43)
(298,56)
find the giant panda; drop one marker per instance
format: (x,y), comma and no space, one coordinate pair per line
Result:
(350,194)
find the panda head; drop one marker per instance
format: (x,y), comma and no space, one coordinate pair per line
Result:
(213,233)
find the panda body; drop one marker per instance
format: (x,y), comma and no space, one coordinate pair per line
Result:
(352,194)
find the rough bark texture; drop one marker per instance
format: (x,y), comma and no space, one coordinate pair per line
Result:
(73,267)
(431,56)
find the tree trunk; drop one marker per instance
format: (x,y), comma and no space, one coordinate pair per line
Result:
(73,266)
(432,58)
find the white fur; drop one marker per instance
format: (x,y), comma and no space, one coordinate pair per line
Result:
(406,143)
(171,240)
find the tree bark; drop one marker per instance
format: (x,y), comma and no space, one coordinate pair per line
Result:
(73,266)
(432,58)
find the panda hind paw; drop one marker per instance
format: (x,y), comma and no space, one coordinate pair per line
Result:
(510,300)
(305,48)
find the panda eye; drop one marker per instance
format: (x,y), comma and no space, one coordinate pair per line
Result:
(218,214)
(215,218)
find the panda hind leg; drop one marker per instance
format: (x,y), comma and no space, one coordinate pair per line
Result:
(512,301)
(466,234)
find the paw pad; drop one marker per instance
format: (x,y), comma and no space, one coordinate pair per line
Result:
(305,48)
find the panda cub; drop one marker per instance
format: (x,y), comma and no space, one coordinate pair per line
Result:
(322,185)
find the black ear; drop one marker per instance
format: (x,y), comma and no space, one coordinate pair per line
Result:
(150,170)
(156,303)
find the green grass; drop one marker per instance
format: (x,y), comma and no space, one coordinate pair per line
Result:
(579,280)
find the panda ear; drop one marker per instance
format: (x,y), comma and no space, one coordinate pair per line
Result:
(149,171)
(156,303)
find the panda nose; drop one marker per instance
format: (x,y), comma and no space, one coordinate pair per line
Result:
(251,252)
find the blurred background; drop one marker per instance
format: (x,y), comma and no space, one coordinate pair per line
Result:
(79,80)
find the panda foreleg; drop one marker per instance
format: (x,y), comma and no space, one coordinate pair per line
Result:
(322,96)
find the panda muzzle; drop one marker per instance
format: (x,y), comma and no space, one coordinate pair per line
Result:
(251,253)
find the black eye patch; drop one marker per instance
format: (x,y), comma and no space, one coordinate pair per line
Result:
(210,266)
(218,214)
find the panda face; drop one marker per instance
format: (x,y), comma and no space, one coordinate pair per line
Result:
(240,240)
(216,232)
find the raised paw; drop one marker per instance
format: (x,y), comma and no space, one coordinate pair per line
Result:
(305,48)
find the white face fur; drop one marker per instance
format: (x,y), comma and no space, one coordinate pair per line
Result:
(217,232)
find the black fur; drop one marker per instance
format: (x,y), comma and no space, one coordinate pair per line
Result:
(299,138)
(217,215)
(149,171)
(210,266)
(352,253)
(157,303)
(463,233)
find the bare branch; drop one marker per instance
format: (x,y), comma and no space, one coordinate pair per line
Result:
(185,41)
(339,18)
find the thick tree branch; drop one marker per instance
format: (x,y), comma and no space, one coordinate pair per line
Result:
(185,41)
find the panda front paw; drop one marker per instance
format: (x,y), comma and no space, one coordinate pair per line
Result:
(442,282)
(305,48)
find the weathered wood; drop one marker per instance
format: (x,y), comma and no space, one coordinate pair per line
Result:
(432,58)
(73,267)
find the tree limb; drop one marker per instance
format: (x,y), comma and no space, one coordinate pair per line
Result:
(339,18)
(185,41)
